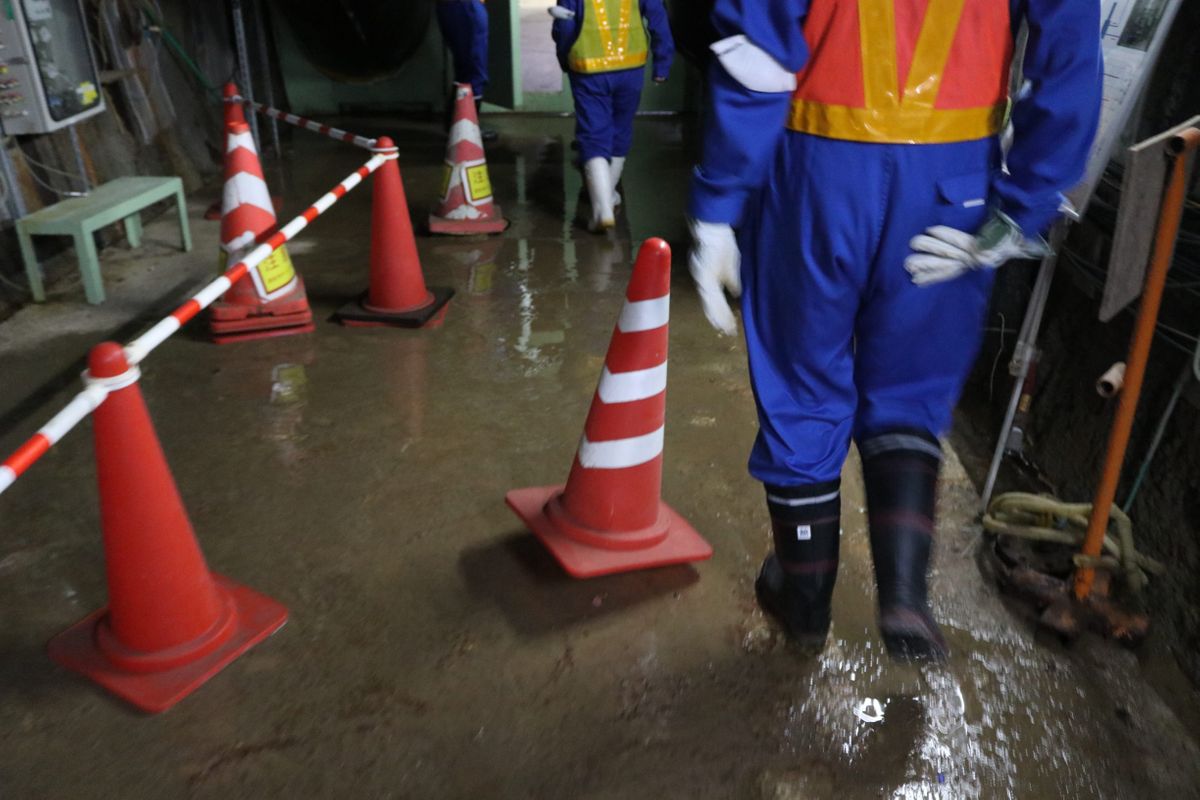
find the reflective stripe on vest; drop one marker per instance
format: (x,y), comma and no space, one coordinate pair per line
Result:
(953,59)
(606,44)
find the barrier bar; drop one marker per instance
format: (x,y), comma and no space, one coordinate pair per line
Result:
(94,393)
(303,122)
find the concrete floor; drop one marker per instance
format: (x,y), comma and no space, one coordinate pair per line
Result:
(434,650)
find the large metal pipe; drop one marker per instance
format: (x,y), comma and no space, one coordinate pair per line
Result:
(357,41)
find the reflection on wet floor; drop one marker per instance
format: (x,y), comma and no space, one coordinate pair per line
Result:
(434,648)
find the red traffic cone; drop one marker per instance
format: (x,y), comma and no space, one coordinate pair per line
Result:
(233,113)
(397,296)
(609,517)
(169,625)
(233,108)
(270,299)
(466,206)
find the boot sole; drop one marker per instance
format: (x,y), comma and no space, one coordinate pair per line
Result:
(914,640)
(771,605)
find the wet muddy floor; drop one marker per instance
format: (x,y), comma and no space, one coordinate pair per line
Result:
(434,649)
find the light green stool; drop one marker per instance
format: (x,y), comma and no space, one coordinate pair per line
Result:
(81,217)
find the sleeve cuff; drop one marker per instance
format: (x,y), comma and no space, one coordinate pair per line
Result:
(709,203)
(1033,213)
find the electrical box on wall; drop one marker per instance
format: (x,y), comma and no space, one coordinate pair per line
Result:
(48,77)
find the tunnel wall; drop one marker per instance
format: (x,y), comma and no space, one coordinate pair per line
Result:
(419,85)
(159,121)
(1070,421)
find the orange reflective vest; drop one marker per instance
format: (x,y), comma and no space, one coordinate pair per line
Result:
(904,71)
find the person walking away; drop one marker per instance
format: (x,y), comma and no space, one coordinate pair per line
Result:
(603,46)
(853,145)
(464,27)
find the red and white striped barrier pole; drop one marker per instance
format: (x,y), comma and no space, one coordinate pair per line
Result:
(49,434)
(303,122)
(93,395)
(140,347)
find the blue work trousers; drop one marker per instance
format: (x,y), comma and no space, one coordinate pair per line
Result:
(841,343)
(464,26)
(605,105)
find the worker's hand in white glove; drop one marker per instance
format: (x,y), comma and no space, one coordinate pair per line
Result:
(558,12)
(942,252)
(715,263)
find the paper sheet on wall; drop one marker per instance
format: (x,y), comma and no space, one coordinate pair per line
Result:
(1131,34)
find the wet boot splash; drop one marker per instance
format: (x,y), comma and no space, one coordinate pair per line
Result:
(901,472)
(795,585)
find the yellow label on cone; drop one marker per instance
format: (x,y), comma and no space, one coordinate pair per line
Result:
(447,171)
(478,183)
(276,270)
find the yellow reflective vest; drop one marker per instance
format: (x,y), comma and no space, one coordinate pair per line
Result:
(612,37)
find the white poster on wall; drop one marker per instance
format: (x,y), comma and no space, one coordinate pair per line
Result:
(1131,36)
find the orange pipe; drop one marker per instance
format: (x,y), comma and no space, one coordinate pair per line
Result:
(1139,352)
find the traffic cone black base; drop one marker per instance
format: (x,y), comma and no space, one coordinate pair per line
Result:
(357,314)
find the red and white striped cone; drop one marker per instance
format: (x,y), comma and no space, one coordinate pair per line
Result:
(467,206)
(610,516)
(232,105)
(270,299)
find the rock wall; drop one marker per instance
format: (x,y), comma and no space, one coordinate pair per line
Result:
(160,119)
(1069,429)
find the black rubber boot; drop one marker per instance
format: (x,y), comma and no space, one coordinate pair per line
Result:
(795,584)
(901,473)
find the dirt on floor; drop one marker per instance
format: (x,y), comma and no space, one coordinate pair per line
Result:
(434,649)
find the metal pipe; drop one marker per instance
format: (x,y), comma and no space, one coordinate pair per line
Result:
(77,150)
(1112,380)
(264,58)
(1025,351)
(1159,431)
(12,188)
(239,40)
(1169,217)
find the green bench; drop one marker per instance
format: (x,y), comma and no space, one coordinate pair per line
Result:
(81,217)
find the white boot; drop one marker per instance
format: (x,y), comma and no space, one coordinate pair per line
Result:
(600,191)
(618,166)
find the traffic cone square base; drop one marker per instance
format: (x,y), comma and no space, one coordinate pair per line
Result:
(468,227)
(232,322)
(225,333)
(357,314)
(255,617)
(680,545)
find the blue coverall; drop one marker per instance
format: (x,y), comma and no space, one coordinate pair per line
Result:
(464,27)
(606,102)
(841,343)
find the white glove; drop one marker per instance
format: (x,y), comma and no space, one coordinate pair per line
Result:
(715,263)
(558,12)
(942,252)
